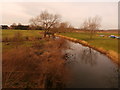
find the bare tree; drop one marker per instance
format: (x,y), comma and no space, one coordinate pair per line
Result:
(91,25)
(65,27)
(46,20)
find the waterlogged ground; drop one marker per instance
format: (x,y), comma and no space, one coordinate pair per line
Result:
(90,69)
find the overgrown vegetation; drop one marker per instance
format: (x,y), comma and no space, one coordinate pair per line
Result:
(39,65)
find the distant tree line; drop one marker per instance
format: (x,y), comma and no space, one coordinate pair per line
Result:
(19,26)
(4,27)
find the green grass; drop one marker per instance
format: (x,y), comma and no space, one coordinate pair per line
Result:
(10,33)
(12,45)
(103,42)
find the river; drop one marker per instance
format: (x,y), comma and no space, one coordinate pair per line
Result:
(90,68)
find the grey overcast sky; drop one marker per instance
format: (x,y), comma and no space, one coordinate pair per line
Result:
(73,12)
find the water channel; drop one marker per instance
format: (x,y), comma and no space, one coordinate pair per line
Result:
(90,68)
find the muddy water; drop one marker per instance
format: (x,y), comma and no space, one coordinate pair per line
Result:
(89,68)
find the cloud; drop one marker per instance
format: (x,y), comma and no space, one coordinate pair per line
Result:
(75,13)
(12,12)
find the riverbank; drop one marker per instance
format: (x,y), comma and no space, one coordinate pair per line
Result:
(111,54)
(33,62)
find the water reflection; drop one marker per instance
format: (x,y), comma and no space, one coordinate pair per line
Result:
(88,56)
(90,69)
